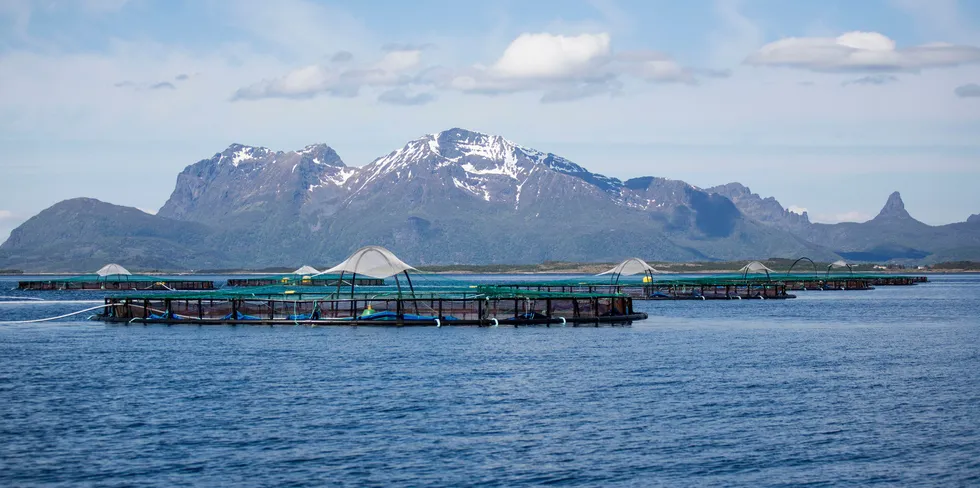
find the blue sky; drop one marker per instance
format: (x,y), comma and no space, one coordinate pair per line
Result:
(827,106)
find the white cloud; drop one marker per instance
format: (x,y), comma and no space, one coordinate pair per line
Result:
(547,56)
(796,209)
(400,60)
(393,69)
(568,68)
(6,215)
(860,51)
(561,67)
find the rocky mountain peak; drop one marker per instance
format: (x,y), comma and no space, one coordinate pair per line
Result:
(321,154)
(237,154)
(733,190)
(973,219)
(766,210)
(894,208)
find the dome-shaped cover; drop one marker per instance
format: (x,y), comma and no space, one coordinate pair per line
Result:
(306,271)
(373,261)
(112,269)
(631,266)
(840,263)
(755,267)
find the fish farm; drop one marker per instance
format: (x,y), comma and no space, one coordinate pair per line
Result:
(754,281)
(374,287)
(674,289)
(115,277)
(482,306)
(304,276)
(350,302)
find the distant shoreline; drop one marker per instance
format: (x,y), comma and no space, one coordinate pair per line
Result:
(584,270)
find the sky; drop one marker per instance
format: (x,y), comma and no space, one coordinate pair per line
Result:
(827,106)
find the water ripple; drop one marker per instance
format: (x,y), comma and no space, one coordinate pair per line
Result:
(832,388)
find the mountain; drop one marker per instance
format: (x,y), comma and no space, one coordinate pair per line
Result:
(893,235)
(973,219)
(83,234)
(246,183)
(258,201)
(453,197)
(766,210)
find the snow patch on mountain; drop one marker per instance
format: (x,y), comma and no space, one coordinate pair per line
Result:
(489,165)
(241,155)
(474,189)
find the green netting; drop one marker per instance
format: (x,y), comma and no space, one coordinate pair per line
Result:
(713,279)
(94,278)
(280,292)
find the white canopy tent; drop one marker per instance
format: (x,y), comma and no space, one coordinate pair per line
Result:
(112,269)
(840,263)
(373,261)
(630,267)
(755,267)
(306,271)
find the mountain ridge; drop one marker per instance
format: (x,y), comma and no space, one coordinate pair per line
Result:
(459,196)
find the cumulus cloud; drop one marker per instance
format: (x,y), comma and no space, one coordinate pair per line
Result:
(395,68)
(879,79)
(398,96)
(546,56)
(860,51)
(561,67)
(568,68)
(6,215)
(968,90)
(796,209)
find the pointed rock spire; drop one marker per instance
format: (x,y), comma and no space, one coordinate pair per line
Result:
(894,208)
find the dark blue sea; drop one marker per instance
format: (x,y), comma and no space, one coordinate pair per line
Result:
(832,388)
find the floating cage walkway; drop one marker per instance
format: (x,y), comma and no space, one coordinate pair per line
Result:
(676,289)
(753,281)
(293,280)
(115,277)
(480,306)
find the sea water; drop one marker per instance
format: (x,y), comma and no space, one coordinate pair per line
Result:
(834,387)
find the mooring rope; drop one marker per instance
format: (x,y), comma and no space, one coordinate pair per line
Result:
(48,319)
